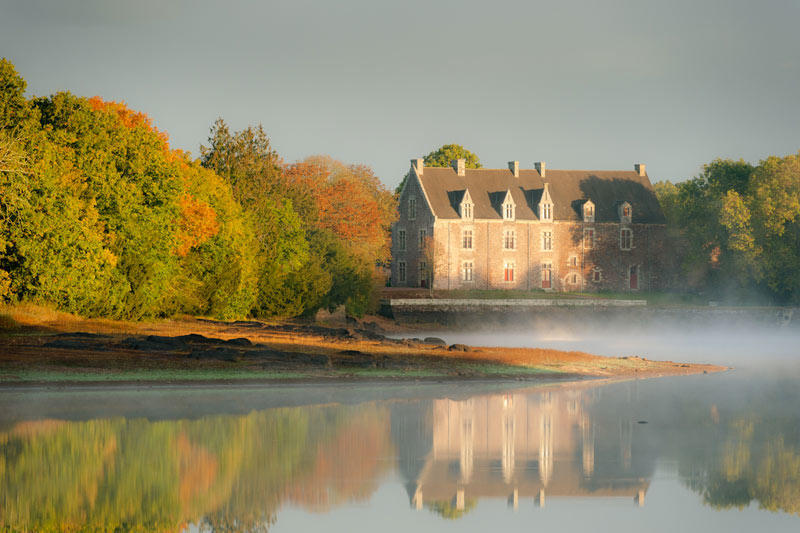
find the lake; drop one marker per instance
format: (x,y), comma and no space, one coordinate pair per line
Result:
(704,453)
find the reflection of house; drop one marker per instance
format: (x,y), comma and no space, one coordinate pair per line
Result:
(528,229)
(519,446)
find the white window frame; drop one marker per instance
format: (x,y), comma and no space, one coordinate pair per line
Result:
(546,211)
(466,211)
(588,212)
(509,238)
(467,237)
(573,261)
(622,243)
(547,241)
(508,211)
(508,266)
(598,273)
(590,245)
(467,271)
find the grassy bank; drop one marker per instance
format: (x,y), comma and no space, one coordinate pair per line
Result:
(44,346)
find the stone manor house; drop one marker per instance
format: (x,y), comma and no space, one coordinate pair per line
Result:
(526,229)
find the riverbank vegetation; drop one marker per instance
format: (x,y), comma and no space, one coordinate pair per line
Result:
(99,216)
(737,226)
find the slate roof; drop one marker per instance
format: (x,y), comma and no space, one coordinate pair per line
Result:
(569,189)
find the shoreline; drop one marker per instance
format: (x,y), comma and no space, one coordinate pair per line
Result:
(63,350)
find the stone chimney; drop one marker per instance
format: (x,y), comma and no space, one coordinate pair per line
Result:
(418,165)
(514,167)
(540,168)
(460,166)
(640,169)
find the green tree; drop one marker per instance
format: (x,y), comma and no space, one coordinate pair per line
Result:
(248,163)
(443,157)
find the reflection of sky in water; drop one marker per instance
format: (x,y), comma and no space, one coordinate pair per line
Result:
(403,457)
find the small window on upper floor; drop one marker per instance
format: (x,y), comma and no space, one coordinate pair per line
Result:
(509,239)
(625,239)
(401,239)
(588,211)
(625,213)
(466,239)
(546,212)
(412,208)
(572,261)
(466,211)
(508,211)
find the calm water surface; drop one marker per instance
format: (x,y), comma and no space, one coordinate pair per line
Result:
(703,453)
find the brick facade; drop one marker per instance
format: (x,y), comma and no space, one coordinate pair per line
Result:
(512,254)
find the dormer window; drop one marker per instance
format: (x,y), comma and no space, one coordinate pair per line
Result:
(546,212)
(466,207)
(508,207)
(625,213)
(588,211)
(546,205)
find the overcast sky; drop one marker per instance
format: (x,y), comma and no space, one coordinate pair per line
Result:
(578,84)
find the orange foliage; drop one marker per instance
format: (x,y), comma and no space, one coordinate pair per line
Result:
(127,117)
(348,467)
(198,471)
(347,198)
(198,223)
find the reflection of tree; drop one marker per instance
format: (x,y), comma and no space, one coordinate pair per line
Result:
(751,462)
(449,509)
(224,473)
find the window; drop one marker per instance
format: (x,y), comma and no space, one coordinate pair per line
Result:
(423,274)
(625,213)
(401,239)
(547,275)
(547,241)
(401,271)
(547,212)
(466,271)
(508,211)
(573,261)
(588,238)
(508,272)
(588,211)
(423,233)
(573,279)
(466,211)
(466,239)
(412,208)
(597,274)
(509,239)
(625,239)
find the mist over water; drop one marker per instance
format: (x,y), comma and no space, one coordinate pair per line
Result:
(705,453)
(739,343)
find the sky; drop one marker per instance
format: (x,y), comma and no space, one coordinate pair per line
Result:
(577,84)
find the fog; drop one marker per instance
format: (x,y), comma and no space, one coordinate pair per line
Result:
(740,343)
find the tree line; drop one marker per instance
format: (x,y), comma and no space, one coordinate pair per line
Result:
(99,216)
(737,228)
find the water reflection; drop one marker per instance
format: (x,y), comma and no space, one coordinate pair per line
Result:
(236,472)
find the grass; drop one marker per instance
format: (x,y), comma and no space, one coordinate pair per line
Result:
(653,298)
(55,376)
